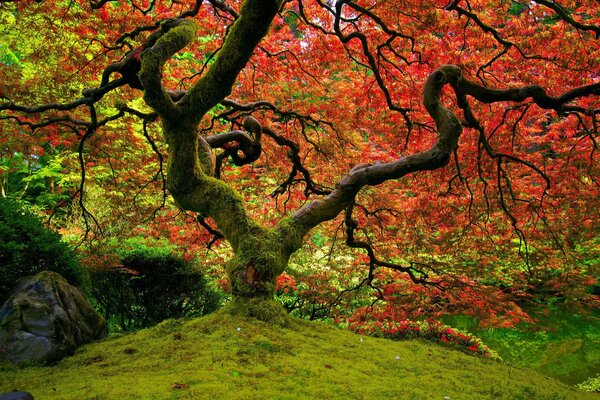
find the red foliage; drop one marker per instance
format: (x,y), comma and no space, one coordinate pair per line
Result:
(426,329)
(512,217)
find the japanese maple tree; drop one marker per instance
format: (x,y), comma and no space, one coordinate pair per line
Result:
(452,139)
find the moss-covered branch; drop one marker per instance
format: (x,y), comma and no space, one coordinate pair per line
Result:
(243,37)
(178,33)
(260,253)
(190,166)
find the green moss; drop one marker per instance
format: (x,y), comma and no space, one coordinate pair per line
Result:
(233,357)
(172,37)
(260,253)
(167,45)
(292,233)
(260,256)
(242,38)
(205,157)
(262,309)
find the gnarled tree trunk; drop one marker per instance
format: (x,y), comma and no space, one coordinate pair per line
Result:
(260,253)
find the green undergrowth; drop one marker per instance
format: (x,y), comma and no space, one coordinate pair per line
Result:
(564,343)
(222,356)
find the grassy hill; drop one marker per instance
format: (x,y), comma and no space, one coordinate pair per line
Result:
(225,357)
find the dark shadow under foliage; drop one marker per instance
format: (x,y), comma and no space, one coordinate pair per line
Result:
(27,248)
(150,286)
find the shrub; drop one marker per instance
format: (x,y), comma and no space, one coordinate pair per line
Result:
(27,247)
(427,330)
(592,384)
(149,286)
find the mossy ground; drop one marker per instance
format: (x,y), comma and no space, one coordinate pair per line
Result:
(232,357)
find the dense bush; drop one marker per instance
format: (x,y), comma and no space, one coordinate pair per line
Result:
(151,285)
(427,330)
(27,247)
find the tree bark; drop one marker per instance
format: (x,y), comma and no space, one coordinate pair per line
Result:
(260,253)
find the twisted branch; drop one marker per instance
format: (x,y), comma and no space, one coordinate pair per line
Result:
(449,129)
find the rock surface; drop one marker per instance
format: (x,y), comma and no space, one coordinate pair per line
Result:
(16,396)
(46,319)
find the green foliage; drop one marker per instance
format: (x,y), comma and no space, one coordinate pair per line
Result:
(517,8)
(150,285)
(7,57)
(563,344)
(27,247)
(318,296)
(591,385)
(588,255)
(231,357)
(47,183)
(313,286)
(37,180)
(266,310)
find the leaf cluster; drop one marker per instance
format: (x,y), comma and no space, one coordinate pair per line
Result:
(28,247)
(148,285)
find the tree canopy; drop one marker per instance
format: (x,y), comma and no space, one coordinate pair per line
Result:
(453,144)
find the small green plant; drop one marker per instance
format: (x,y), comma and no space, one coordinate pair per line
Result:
(149,285)
(27,247)
(592,384)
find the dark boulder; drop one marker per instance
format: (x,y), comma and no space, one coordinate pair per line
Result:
(46,319)
(16,396)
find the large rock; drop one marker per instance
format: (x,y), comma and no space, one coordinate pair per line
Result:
(16,396)
(46,319)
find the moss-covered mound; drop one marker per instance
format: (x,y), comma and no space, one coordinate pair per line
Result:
(232,357)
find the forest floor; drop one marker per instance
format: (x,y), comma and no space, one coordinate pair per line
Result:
(225,357)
